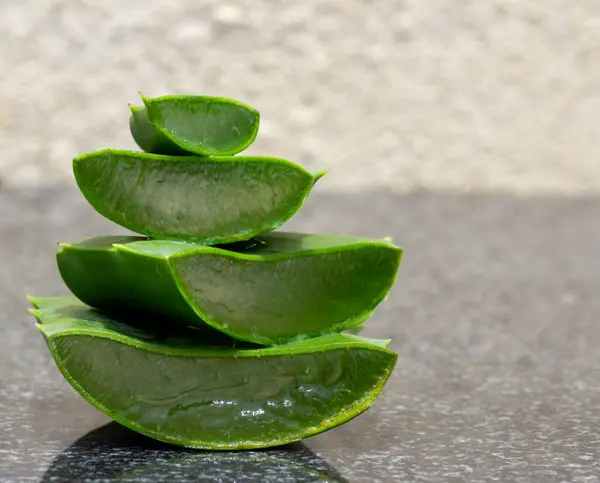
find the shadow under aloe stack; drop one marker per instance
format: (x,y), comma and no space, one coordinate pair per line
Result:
(212,330)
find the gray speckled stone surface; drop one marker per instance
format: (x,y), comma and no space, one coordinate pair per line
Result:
(495,316)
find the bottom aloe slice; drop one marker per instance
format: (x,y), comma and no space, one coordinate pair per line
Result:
(182,391)
(273,289)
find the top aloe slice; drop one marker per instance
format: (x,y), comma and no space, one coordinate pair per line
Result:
(196,124)
(187,393)
(275,288)
(210,200)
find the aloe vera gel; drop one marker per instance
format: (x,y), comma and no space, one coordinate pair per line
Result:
(211,330)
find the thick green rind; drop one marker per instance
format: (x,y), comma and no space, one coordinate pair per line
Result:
(53,321)
(161,290)
(59,314)
(56,328)
(150,139)
(152,106)
(116,195)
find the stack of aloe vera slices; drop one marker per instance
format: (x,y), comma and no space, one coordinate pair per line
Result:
(211,330)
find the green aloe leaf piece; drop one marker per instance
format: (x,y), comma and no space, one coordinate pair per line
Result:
(206,199)
(188,393)
(195,124)
(278,287)
(149,138)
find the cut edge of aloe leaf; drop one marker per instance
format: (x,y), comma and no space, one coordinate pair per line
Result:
(49,308)
(347,324)
(98,202)
(344,414)
(351,412)
(149,138)
(245,336)
(148,101)
(187,250)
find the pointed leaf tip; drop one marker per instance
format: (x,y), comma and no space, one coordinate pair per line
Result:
(319,174)
(64,245)
(134,109)
(35,301)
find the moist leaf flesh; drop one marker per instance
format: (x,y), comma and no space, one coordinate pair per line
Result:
(188,393)
(149,138)
(273,289)
(209,200)
(202,125)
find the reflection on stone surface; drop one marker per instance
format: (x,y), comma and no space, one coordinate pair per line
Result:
(115,453)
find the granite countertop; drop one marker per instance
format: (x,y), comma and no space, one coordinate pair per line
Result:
(495,317)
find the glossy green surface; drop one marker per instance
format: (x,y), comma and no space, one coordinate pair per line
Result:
(195,124)
(190,394)
(273,289)
(149,138)
(208,200)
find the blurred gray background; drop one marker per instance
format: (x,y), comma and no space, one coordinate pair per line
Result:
(443,94)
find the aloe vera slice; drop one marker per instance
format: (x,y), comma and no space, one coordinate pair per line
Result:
(208,200)
(201,396)
(149,138)
(278,287)
(196,124)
